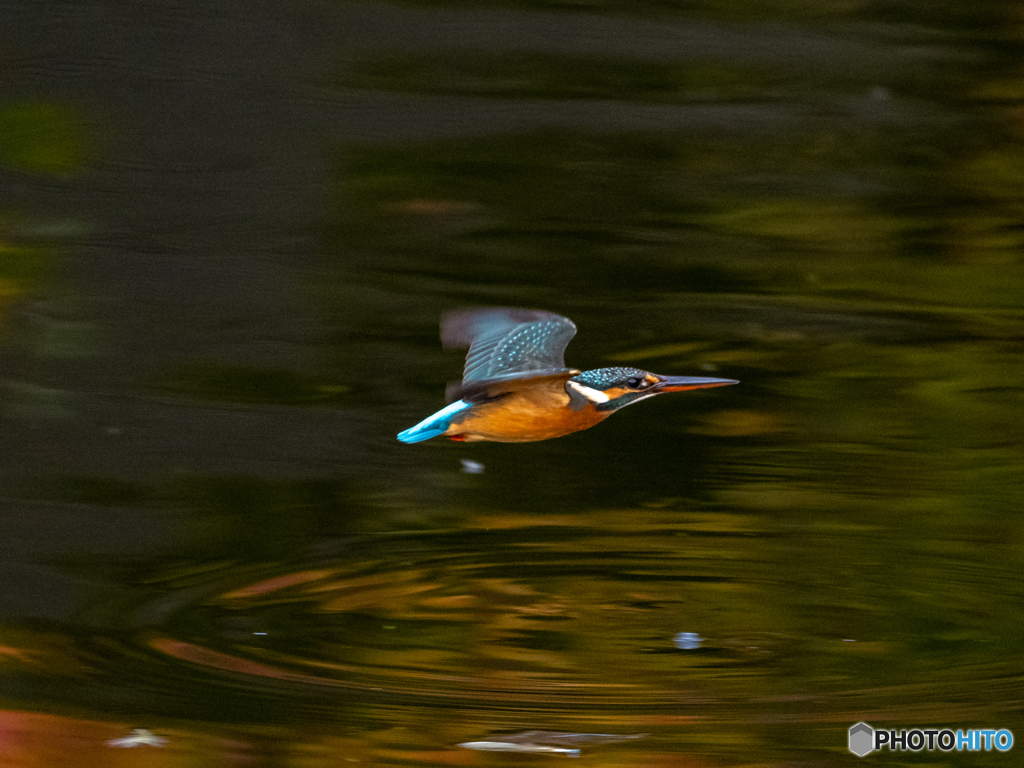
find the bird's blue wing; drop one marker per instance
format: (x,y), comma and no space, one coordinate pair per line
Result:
(508,344)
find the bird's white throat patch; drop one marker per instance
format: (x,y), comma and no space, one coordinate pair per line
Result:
(593,395)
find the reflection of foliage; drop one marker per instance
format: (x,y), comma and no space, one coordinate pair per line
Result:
(21,264)
(40,137)
(31,401)
(563,206)
(249,385)
(35,137)
(950,14)
(20,267)
(585,211)
(747,9)
(539,75)
(259,519)
(17,266)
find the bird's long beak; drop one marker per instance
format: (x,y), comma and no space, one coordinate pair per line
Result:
(683,383)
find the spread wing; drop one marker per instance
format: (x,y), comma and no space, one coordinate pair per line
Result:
(506,348)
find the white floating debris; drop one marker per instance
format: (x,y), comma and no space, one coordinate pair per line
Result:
(688,641)
(471,467)
(548,742)
(139,737)
(508,746)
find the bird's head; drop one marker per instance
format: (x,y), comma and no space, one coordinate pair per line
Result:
(609,389)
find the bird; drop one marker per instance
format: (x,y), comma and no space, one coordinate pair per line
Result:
(515,387)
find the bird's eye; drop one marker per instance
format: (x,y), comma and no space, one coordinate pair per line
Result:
(633,383)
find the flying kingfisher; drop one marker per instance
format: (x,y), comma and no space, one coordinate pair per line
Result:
(516,389)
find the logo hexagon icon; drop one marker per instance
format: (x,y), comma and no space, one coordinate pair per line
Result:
(862,737)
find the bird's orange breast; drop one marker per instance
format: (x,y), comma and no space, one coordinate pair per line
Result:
(524,417)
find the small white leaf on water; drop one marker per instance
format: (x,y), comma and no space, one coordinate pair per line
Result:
(139,737)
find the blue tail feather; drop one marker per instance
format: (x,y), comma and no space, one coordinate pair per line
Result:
(435,425)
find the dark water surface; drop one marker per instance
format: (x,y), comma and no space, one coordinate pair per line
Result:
(227,233)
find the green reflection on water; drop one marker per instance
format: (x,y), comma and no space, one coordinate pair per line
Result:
(537,75)
(675,212)
(41,137)
(38,137)
(250,385)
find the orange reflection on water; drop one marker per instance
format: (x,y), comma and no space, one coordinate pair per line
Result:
(224,661)
(14,653)
(43,741)
(30,740)
(278,583)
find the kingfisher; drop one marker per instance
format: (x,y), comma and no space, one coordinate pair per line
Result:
(516,389)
